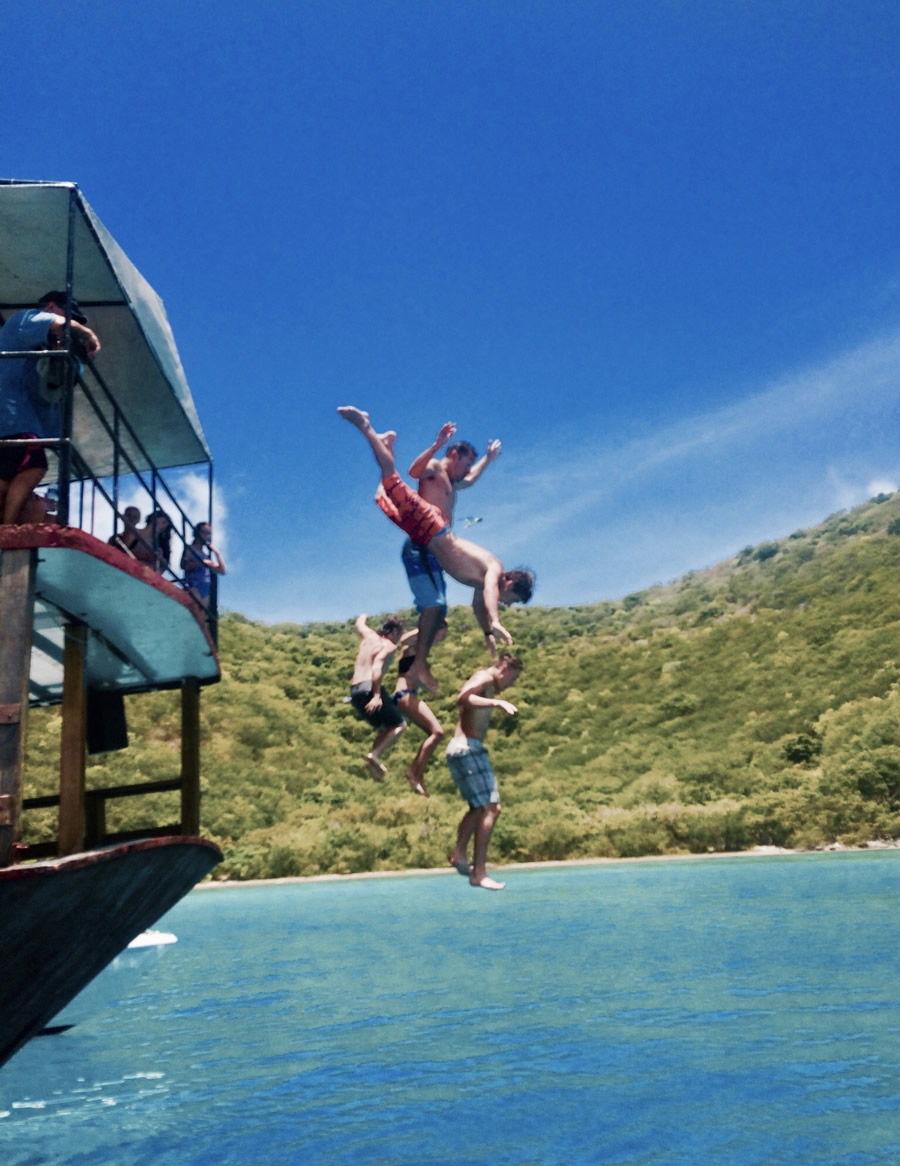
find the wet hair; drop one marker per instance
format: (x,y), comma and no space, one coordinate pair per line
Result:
(510,659)
(463,449)
(522,580)
(390,626)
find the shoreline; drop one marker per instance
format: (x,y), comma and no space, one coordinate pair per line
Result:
(754,852)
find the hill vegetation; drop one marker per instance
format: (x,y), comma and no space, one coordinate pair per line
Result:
(756,702)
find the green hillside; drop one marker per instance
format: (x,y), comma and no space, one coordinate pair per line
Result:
(752,703)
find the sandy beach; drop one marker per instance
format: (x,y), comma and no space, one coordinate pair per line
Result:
(755,852)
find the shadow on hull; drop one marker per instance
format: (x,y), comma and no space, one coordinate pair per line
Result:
(63,921)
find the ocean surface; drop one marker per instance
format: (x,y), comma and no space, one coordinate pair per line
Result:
(711,1011)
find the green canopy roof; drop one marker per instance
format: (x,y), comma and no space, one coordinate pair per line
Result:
(139,361)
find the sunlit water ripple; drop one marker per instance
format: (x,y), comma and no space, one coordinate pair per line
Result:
(735,1011)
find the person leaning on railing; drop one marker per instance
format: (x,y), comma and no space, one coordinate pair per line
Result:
(198,562)
(27,410)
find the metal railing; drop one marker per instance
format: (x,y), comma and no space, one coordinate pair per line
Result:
(76,473)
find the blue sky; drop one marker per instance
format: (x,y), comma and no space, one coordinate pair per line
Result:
(653,247)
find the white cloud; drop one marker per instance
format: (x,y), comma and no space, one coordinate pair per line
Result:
(741,440)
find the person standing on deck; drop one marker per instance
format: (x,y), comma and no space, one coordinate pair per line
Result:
(27,407)
(199,560)
(471,769)
(439,478)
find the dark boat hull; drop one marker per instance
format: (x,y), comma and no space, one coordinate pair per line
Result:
(62,922)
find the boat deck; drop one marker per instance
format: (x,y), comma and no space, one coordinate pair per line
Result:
(143,631)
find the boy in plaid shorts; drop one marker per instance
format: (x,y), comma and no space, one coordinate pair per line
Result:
(471,769)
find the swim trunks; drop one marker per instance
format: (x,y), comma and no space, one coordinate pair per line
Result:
(471,770)
(387,717)
(16,458)
(406,662)
(426,579)
(408,510)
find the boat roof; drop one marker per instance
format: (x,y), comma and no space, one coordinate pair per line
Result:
(139,360)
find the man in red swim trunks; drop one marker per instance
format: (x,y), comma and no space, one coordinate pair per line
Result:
(425,524)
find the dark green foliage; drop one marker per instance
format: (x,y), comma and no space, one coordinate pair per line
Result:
(755,703)
(802,749)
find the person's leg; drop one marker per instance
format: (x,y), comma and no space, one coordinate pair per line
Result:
(484,827)
(382,443)
(19,491)
(420,714)
(383,742)
(34,510)
(429,622)
(464,833)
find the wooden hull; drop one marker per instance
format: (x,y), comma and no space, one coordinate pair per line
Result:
(63,921)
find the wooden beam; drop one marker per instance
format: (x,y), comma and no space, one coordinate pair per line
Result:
(73,747)
(17,570)
(190,756)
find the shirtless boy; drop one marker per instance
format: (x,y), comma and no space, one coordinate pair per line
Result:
(366,695)
(471,769)
(426,524)
(439,478)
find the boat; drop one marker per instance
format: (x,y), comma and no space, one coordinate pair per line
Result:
(83,623)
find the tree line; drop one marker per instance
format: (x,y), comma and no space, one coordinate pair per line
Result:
(752,703)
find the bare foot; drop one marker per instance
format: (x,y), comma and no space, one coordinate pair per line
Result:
(375,768)
(486,883)
(461,864)
(355,416)
(416,783)
(421,674)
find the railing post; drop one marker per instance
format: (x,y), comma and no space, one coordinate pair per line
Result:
(73,746)
(94,819)
(190,756)
(17,570)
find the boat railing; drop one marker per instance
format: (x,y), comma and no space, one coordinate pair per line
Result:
(95,832)
(78,476)
(86,821)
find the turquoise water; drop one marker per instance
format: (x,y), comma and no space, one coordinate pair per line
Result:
(729,1011)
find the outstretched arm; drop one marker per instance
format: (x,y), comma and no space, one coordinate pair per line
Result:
(493,452)
(470,695)
(486,606)
(420,465)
